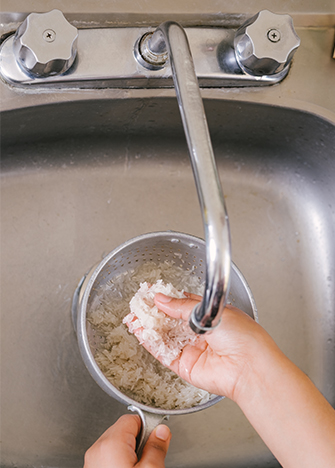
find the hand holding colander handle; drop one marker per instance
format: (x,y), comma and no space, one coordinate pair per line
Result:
(149,422)
(171,37)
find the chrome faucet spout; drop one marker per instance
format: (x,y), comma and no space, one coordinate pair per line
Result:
(170,37)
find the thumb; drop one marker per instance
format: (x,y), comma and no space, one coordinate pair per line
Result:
(177,308)
(155,450)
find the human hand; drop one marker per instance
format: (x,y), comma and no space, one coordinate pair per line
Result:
(222,360)
(241,361)
(116,447)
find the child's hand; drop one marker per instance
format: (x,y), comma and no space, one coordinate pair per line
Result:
(116,447)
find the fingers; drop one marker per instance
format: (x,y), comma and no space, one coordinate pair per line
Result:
(193,296)
(116,447)
(156,448)
(177,308)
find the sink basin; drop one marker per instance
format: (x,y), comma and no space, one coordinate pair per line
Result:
(83,176)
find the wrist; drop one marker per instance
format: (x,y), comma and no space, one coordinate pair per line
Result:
(261,370)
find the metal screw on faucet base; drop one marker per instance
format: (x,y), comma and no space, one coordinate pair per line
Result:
(274,35)
(49,35)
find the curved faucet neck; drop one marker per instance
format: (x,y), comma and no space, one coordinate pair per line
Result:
(171,36)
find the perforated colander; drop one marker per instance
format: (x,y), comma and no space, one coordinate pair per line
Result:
(185,251)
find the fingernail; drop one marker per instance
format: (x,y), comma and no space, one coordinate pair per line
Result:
(162,432)
(163,298)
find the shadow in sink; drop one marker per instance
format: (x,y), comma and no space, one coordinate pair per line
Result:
(80,178)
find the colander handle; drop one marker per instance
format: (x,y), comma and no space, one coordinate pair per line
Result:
(149,422)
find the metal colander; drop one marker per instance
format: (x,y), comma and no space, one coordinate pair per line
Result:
(187,252)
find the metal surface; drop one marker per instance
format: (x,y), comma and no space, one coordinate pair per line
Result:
(45,44)
(78,179)
(106,58)
(159,9)
(171,37)
(149,422)
(83,171)
(145,56)
(266,43)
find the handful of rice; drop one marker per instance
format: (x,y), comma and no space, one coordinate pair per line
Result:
(127,364)
(166,336)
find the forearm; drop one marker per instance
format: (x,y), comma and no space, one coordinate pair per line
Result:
(289,413)
(241,361)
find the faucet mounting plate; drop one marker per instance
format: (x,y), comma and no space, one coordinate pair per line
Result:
(106,59)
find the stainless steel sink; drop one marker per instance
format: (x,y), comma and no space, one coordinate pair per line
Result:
(78,179)
(82,172)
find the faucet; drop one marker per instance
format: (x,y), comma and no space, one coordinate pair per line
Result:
(49,52)
(43,53)
(169,40)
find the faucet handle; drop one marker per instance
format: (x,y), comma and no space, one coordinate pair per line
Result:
(45,44)
(266,43)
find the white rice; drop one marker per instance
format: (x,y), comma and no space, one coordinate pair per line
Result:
(166,336)
(125,363)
